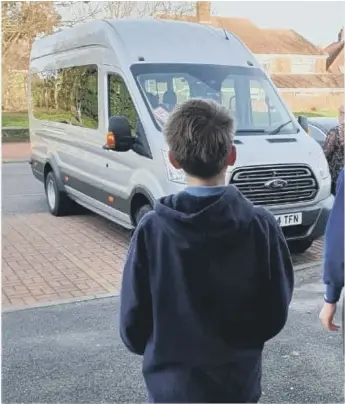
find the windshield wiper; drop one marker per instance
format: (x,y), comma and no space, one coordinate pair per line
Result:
(250,131)
(279,128)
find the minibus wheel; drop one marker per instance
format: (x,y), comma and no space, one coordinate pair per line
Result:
(141,212)
(59,203)
(299,246)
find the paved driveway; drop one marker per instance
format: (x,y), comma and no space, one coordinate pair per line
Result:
(47,259)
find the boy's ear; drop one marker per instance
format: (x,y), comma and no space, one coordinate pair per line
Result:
(173,162)
(231,160)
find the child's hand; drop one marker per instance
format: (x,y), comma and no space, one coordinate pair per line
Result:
(327,315)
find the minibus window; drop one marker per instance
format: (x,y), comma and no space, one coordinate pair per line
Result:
(181,89)
(66,96)
(120,101)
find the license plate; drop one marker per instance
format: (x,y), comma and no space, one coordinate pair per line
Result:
(291,219)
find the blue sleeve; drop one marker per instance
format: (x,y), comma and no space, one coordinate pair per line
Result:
(333,269)
(280,281)
(136,322)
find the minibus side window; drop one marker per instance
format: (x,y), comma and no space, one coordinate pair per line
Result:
(120,102)
(68,95)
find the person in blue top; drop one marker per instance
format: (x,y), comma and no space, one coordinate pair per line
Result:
(333,269)
(208,277)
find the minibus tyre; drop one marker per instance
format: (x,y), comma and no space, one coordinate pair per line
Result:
(141,212)
(299,246)
(59,203)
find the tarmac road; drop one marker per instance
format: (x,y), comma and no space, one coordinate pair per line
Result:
(72,354)
(21,192)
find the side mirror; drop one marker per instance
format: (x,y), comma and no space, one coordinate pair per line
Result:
(119,137)
(303,121)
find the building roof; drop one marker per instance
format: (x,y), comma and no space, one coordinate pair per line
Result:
(288,41)
(308,80)
(336,55)
(268,41)
(331,47)
(246,31)
(260,40)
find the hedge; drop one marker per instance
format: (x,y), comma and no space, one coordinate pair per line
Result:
(15,135)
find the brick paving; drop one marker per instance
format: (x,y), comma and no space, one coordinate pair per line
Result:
(16,151)
(48,259)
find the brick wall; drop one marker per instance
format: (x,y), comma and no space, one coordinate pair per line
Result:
(313,101)
(203,11)
(280,65)
(320,66)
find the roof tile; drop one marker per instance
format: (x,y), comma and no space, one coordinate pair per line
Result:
(308,80)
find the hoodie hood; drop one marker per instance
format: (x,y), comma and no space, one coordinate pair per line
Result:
(222,218)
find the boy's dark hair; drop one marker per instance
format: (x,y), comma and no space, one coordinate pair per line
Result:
(200,135)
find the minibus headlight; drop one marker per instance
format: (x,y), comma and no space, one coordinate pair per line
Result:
(322,165)
(173,174)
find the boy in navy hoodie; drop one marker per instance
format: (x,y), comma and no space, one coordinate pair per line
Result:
(333,270)
(208,277)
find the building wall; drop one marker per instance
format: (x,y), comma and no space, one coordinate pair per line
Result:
(286,64)
(303,101)
(337,67)
(321,66)
(281,64)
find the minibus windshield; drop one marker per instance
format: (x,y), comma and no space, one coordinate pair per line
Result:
(245,91)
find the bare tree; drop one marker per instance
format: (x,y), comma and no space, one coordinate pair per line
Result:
(25,20)
(78,12)
(22,22)
(141,9)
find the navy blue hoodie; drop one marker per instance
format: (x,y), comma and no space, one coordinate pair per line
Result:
(207,281)
(333,271)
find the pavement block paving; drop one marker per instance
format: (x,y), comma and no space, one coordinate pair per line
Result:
(48,259)
(16,151)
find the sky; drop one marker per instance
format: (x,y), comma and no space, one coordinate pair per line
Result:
(318,21)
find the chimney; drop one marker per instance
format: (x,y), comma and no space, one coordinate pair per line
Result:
(203,11)
(341,35)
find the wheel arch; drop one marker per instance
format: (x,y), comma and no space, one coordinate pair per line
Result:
(140,197)
(52,165)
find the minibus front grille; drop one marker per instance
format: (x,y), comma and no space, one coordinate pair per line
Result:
(255,183)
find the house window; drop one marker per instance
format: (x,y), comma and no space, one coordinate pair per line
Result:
(301,65)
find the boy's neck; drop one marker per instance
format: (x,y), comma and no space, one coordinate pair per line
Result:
(217,181)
